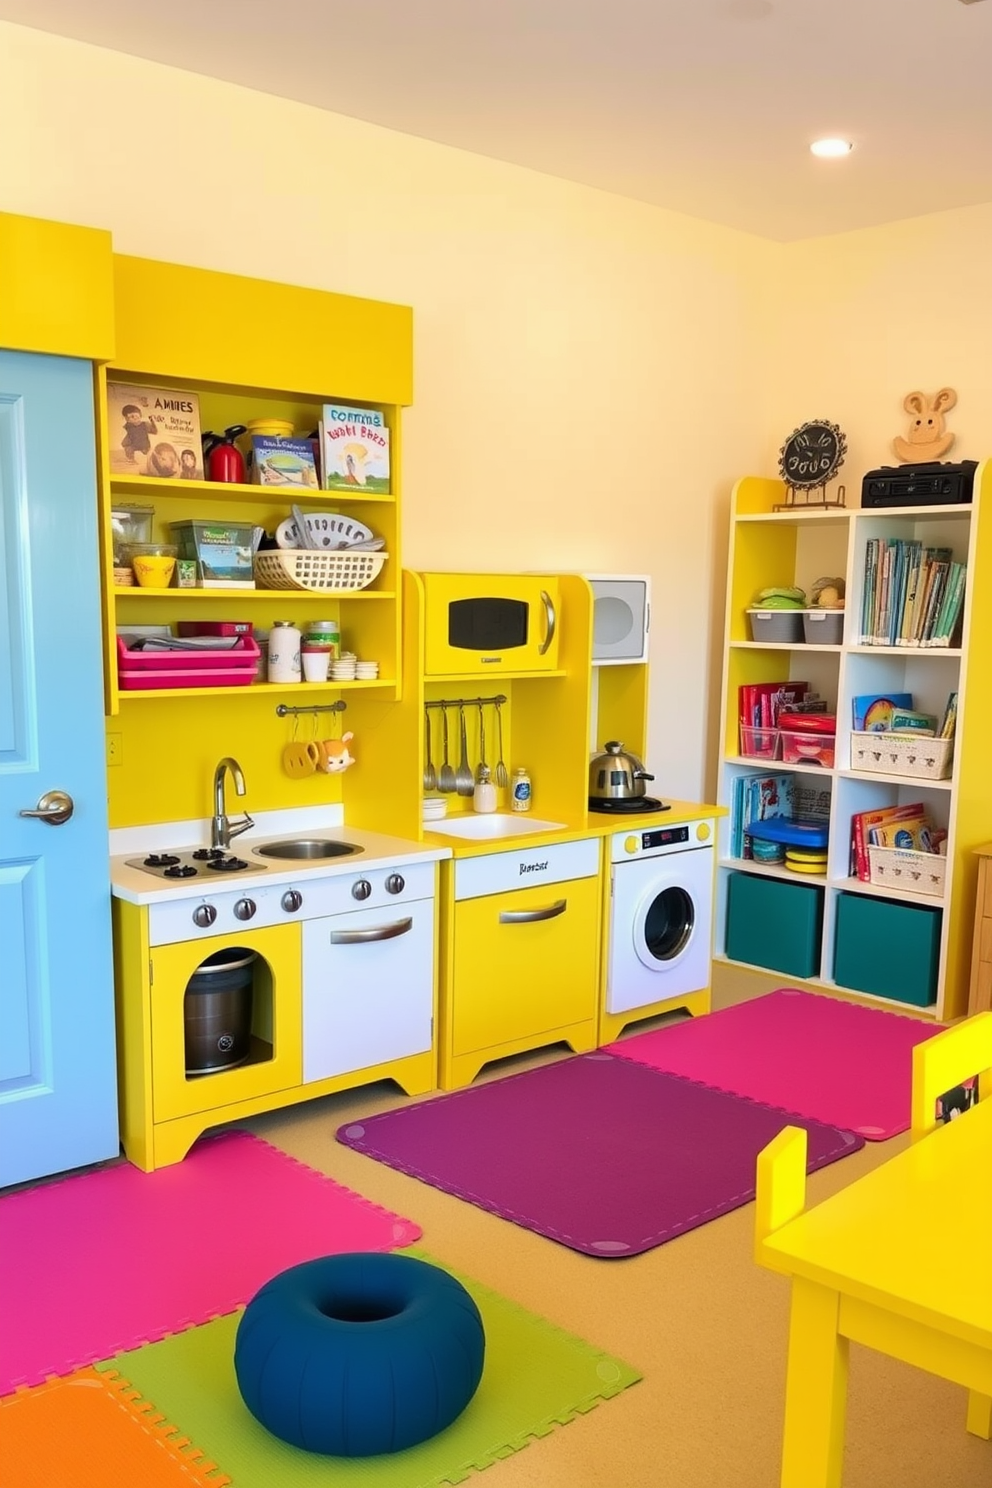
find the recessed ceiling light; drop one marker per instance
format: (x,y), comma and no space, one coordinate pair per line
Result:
(831,149)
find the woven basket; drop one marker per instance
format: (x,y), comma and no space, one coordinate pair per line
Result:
(903,868)
(317,572)
(901,754)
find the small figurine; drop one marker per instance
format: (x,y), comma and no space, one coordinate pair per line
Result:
(927,439)
(335,754)
(827,594)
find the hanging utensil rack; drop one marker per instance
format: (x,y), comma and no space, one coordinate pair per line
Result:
(283,710)
(477,702)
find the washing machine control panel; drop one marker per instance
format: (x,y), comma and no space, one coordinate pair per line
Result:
(661,840)
(666,838)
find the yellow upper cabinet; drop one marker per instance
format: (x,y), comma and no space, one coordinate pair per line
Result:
(490,624)
(56,288)
(176,322)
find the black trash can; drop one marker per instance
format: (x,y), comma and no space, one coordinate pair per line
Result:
(217,1011)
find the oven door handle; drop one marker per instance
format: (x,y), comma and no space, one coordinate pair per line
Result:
(528,916)
(374,932)
(551,620)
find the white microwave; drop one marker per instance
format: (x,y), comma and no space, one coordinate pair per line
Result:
(621,618)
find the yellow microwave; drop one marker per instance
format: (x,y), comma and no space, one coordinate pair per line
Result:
(485,624)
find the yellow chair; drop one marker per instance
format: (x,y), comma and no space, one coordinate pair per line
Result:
(939,1064)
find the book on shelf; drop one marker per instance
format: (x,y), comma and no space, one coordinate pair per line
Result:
(763,795)
(873,711)
(950,718)
(153,432)
(863,823)
(283,462)
(354,445)
(759,704)
(912,595)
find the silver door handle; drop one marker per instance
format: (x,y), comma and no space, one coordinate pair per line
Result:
(374,932)
(528,916)
(55,807)
(552,621)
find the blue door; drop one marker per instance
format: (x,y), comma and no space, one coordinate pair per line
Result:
(58,1073)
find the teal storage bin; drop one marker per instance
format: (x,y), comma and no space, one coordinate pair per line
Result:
(774,924)
(887,948)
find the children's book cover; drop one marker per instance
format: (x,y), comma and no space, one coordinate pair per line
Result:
(283,462)
(154,432)
(355,449)
(873,711)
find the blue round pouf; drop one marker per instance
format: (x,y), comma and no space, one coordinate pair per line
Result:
(356,1355)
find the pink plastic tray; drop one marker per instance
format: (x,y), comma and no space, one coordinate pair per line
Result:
(235,667)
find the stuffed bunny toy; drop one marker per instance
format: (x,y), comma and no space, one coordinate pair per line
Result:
(336,756)
(927,439)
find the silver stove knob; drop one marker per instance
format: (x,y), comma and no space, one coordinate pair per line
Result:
(361,888)
(204,915)
(395,883)
(291,900)
(244,909)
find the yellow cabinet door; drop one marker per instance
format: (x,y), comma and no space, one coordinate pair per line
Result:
(490,623)
(525,962)
(275,1061)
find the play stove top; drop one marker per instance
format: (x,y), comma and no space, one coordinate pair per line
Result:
(203,863)
(629,806)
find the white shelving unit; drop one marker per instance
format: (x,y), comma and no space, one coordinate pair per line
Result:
(798,547)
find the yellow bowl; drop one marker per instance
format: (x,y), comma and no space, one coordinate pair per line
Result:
(275,428)
(154,572)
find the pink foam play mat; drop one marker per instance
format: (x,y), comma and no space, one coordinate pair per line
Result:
(831,1061)
(104,1261)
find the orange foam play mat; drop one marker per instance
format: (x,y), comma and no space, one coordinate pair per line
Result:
(88,1431)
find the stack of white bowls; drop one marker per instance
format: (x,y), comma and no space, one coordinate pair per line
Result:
(366,671)
(434,808)
(343,667)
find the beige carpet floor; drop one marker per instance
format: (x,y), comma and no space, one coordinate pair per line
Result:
(705,1324)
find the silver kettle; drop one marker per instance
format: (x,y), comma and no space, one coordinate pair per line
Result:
(615,775)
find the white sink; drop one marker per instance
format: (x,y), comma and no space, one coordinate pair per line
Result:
(492,824)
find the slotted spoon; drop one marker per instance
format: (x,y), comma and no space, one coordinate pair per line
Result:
(500,774)
(446,779)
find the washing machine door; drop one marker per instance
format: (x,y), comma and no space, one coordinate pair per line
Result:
(664,927)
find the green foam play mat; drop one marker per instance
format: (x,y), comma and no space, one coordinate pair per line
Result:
(536,1377)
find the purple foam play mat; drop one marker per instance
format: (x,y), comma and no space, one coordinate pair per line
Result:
(604,1155)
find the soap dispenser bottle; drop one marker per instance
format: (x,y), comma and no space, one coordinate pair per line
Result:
(484,795)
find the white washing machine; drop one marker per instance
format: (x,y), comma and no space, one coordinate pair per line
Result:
(661,914)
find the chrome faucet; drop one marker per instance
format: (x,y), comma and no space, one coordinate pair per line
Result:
(222,830)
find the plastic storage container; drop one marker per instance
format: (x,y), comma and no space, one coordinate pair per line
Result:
(823,627)
(759,743)
(774,924)
(777,626)
(150,670)
(808,738)
(222,551)
(891,950)
(809,834)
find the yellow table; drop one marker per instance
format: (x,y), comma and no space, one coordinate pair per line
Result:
(901,1262)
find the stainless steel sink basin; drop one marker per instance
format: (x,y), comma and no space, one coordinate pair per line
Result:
(307,848)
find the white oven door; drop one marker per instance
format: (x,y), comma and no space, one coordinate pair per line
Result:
(661,929)
(368,987)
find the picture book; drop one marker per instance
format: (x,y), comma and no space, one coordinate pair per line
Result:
(909,721)
(864,822)
(872,712)
(283,462)
(911,595)
(154,432)
(913,833)
(354,449)
(950,718)
(760,797)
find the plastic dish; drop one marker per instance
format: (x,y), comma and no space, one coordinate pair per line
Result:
(799,831)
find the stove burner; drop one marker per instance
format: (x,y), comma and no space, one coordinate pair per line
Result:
(629,806)
(161,860)
(226,865)
(181,870)
(208,854)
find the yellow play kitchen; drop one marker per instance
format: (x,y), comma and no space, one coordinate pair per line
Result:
(365,822)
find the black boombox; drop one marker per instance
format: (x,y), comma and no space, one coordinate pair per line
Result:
(930,484)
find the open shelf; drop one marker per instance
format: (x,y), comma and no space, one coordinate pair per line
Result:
(878,891)
(145,485)
(913,781)
(284,596)
(799,646)
(253,690)
(906,653)
(778,767)
(772,870)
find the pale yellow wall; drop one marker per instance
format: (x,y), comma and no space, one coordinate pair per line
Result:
(584,390)
(866,317)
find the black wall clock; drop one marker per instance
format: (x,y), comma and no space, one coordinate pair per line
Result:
(812,455)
